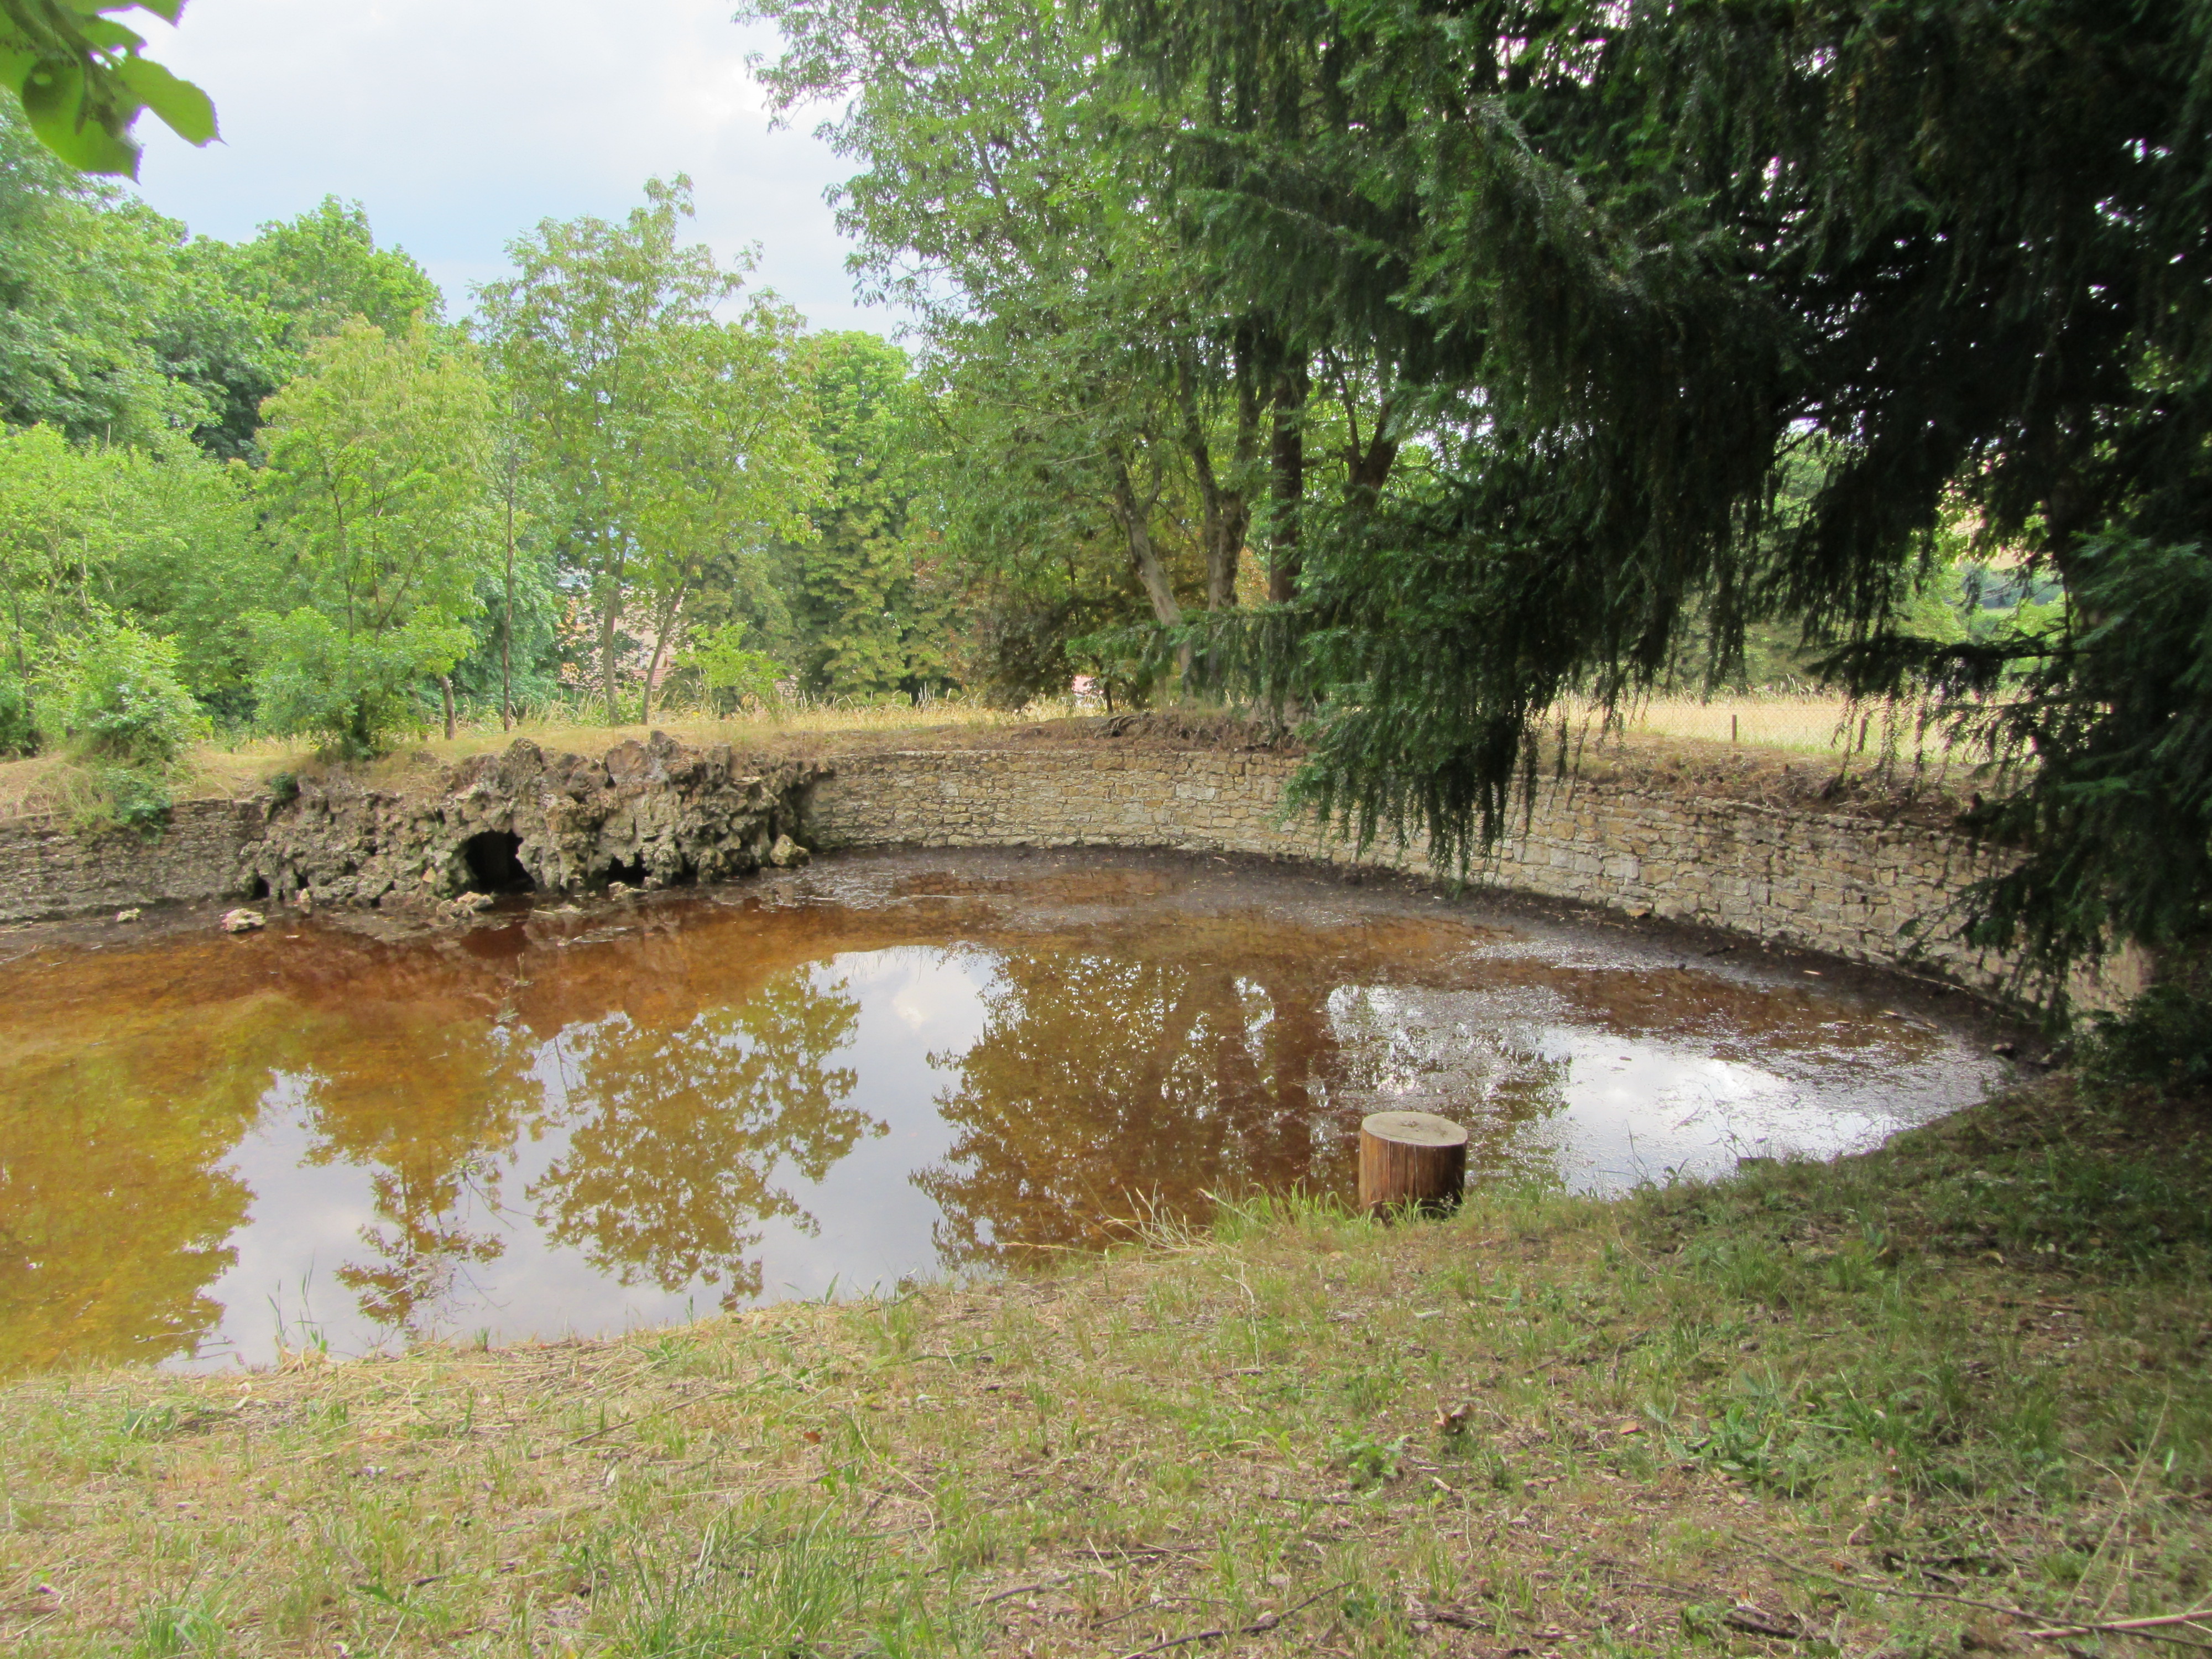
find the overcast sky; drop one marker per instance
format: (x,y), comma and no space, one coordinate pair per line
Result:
(459,124)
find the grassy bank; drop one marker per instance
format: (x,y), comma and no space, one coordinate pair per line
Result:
(1760,729)
(55,783)
(1940,1396)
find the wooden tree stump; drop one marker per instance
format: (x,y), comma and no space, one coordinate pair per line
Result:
(1410,1157)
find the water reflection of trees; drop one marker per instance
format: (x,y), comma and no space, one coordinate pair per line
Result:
(1119,1063)
(675,1134)
(1415,1049)
(674,1125)
(430,1106)
(425,1066)
(1104,1084)
(114,1205)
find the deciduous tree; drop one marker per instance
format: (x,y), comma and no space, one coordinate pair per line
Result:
(376,489)
(734,463)
(1100,390)
(587,332)
(868,615)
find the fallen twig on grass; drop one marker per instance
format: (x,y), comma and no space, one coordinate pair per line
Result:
(1622,1575)
(2065,1643)
(1265,1622)
(2202,1617)
(1136,1607)
(1885,1587)
(2147,1628)
(1041,1584)
(941,1359)
(1753,1621)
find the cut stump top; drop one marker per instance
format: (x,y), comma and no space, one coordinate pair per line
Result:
(1413,1128)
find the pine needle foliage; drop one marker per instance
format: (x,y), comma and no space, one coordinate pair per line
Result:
(1640,256)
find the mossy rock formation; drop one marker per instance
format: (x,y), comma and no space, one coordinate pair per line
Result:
(654,814)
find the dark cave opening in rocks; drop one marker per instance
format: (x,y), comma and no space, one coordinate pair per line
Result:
(494,863)
(630,871)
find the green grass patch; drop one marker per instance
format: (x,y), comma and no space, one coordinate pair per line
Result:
(1933,1398)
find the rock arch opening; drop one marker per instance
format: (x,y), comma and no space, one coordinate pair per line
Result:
(495,862)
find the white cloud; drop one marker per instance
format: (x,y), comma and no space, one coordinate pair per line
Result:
(459,124)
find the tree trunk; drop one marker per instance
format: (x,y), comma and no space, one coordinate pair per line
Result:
(23,669)
(1224,514)
(1135,524)
(609,611)
(1289,484)
(1236,529)
(446,691)
(1413,1158)
(507,624)
(661,626)
(1366,470)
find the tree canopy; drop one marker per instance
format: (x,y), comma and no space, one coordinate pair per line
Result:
(1628,262)
(669,439)
(1542,349)
(377,497)
(1415,366)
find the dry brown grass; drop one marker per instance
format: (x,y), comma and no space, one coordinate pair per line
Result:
(57,784)
(1827,725)
(1759,732)
(1821,1409)
(54,783)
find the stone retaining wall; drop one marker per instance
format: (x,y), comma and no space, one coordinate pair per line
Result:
(49,869)
(652,814)
(1845,885)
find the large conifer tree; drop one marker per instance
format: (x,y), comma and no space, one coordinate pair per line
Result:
(1640,253)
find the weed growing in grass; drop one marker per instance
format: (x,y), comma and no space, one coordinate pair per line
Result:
(1369,1461)
(169,1630)
(150,1422)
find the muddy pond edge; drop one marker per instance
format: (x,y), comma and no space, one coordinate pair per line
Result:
(1861,883)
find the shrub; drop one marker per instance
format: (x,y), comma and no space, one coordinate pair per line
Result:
(19,731)
(733,673)
(2163,1038)
(117,696)
(125,797)
(354,693)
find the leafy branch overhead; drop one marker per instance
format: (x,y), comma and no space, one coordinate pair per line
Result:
(83,80)
(1663,254)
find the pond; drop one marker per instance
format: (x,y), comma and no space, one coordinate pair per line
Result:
(344,1133)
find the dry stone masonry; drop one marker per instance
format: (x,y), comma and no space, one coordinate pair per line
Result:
(1848,883)
(49,868)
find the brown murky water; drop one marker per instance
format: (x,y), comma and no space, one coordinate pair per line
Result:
(894,1065)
